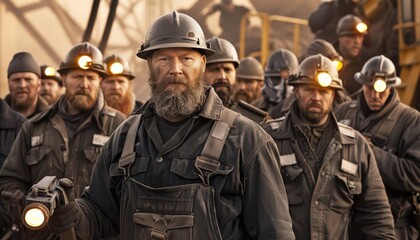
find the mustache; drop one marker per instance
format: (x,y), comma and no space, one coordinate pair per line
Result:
(314,104)
(82,92)
(177,80)
(221,84)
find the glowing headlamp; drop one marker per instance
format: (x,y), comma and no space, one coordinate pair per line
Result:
(338,64)
(361,27)
(49,71)
(379,85)
(116,68)
(84,62)
(324,79)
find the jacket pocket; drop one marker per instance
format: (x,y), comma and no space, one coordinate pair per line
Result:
(344,190)
(164,219)
(292,178)
(92,153)
(184,169)
(37,154)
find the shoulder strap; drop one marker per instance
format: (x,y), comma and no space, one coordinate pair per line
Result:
(208,161)
(128,154)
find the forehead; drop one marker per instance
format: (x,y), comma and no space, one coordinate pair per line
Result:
(221,65)
(175,52)
(314,87)
(23,75)
(83,72)
(116,78)
(49,81)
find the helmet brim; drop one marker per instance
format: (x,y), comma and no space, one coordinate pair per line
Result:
(145,54)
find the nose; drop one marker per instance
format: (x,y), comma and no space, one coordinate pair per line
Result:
(84,82)
(21,83)
(176,66)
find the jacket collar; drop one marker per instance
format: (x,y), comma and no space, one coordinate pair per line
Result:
(346,135)
(99,109)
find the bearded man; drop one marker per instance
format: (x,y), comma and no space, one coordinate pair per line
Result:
(163,174)
(24,81)
(66,139)
(117,86)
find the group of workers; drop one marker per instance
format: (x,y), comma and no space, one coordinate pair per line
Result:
(223,149)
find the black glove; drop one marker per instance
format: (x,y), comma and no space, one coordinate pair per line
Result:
(65,217)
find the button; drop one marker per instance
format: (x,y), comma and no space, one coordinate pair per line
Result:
(63,147)
(159,159)
(316,203)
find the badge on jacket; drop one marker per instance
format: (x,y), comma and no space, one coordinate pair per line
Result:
(37,140)
(99,140)
(287,160)
(349,167)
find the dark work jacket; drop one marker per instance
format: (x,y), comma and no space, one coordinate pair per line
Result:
(44,149)
(41,105)
(348,185)
(250,197)
(397,153)
(10,124)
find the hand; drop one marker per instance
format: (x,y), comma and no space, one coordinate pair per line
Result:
(65,217)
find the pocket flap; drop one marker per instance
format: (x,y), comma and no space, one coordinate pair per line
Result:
(157,221)
(37,154)
(354,186)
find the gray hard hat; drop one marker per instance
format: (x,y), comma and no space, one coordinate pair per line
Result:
(224,51)
(174,30)
(250,68)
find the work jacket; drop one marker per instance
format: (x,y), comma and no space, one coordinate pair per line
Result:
(394,132)
(249,196)
(43,148)
(348,186)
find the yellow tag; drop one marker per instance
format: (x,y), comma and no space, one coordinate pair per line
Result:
(348,167)
(99,139)
(287,160)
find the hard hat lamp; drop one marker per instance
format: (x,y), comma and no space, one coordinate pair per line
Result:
(379,85)
(361,27)
(338,64)
(324,79)
(49,71)
(84,62)
(35,216)
(116,68)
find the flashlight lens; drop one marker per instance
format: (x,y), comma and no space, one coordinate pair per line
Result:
(338,64)
(84,62)
(324,79)
(34,217)
(49,71)
(116,68)
(379,85)
(361,27)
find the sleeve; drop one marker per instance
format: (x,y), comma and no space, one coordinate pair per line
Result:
(266,210)
(320,17)
(401,172)
(15,174)
(373,198)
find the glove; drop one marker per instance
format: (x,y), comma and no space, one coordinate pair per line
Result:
(65,217)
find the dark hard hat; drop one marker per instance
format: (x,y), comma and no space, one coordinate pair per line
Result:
(313,68)
(350,25)
(83,56)
(281,59)
(118,66)
(378,67)
(224,51)
(49,72)
(174,30)
(250,68)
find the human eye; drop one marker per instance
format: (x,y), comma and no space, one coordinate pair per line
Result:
(186,60)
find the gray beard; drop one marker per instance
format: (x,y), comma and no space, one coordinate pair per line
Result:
(169,105)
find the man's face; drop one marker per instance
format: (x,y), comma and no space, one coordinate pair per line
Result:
(118,93)
(82,88)
(176,81)
(350,45)
(375,100)
(50,90)
(221,76)
(23,87)
(314,103)
(247,90)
